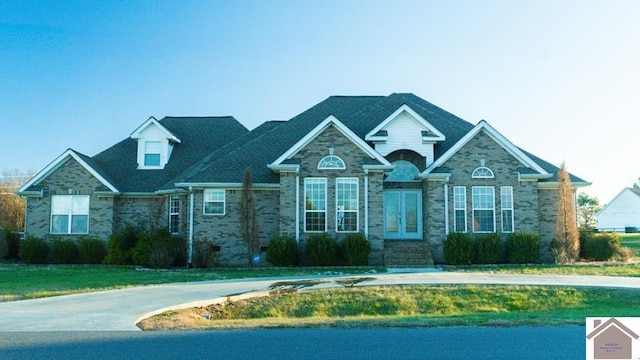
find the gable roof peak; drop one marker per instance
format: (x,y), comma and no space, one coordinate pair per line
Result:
(152,121)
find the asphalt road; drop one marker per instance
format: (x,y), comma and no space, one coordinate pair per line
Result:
(335,344)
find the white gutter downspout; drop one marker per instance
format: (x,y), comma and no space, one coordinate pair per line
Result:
(191,205)
(366,203)
(297,205)
(446,208)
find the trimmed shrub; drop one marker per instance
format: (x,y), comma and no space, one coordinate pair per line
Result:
(486,249)
(4,244)
(64,251)
(321,250)
(157,249)
(599,247)
(120,246)
(523,248)
(34,250)
(356,249)
(458,249)
(204,254)
(13,241)
(91,251)
(283,251)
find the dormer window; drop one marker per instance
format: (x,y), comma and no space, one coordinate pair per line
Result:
(152,150)
(331,162)
(482,172)
(155,144)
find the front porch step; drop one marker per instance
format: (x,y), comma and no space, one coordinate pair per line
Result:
(407,253)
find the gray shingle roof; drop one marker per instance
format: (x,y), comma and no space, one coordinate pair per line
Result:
(199,135)
(218,150)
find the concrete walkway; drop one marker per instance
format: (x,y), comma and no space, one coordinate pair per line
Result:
(119,310)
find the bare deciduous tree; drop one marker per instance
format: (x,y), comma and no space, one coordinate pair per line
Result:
(248,218)
(12,206)
(566,245)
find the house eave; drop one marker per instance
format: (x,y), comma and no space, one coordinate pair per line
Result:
(555,184)
(227,185)
(284,167)
(436,176)
(533,177)
(377,167)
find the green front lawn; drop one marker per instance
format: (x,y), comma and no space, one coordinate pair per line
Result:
(448,305)
(18,282)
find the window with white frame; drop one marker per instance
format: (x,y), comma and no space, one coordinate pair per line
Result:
(214,201)
(482,172)
(315,208)
(70,214)
(483,202)
(506,208)
(347,204)
(460,209)
(152,150)
(174,214)
(331,162)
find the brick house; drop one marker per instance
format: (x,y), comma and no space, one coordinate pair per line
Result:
(397,168)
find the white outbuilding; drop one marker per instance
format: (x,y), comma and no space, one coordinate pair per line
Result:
(622,214)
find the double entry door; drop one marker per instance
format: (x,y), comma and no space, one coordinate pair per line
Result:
(402,214)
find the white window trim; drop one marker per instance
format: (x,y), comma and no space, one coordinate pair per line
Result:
(70,215)
(172,213)
(326,205)
(476,173)
(356,211)
(464,208)
(223,201)
(509,206)
(320,167)
(474,208)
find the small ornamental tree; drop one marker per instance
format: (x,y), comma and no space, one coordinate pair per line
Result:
(248,218)
(566,245)
(588,207)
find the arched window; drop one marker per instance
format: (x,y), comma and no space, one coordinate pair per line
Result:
(331,162)
(482,172)
(403,171)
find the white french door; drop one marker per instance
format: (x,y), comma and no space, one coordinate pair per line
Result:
(402,214)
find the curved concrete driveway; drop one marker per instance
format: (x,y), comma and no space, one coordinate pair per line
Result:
(120,309)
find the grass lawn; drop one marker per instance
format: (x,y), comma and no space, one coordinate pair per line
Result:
(18,282)
(631,241)
(604,269)
(449,305)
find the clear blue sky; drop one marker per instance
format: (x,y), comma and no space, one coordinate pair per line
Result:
(560,79)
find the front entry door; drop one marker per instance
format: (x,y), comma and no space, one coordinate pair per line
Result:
(403,214)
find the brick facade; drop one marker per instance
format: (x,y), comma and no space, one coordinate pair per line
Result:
(224,230)
(70,179)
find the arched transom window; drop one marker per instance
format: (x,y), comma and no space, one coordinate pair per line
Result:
(403,171)
(331,162)
(482,172)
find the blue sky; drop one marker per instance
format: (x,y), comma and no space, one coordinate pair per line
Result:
(560,79)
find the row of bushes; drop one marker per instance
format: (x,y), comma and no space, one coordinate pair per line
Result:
(320,250)
(86,250)
(520,248)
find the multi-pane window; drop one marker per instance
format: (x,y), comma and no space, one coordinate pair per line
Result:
(482,173)
(483,199)
(214,200)
(70,214)
(152,151)
(315,208)
(506,208)
(347,204)
(174,214)
(460,209)
(402,171)
(331,162)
